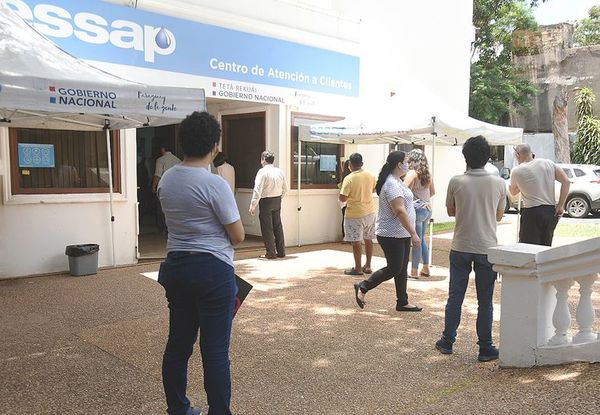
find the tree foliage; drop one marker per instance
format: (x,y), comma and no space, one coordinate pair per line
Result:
(587,147)
(495,87)
(587,31)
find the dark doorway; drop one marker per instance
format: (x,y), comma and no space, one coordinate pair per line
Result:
(244,139)
(151,241)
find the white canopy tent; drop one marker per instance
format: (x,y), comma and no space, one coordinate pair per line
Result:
(402,120)
(42,86)
(413,117)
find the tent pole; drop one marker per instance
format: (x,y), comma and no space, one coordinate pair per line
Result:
(110,192)
(518,205)
(434,134)
(299,207)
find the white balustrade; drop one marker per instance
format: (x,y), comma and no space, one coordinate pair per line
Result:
(561,318)
(535,316)
(585,310)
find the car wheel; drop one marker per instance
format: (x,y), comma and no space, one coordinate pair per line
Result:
(578,207)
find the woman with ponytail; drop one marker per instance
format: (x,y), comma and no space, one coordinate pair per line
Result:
(419,180)
(395,232)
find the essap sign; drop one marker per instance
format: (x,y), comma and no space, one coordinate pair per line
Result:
(93,28)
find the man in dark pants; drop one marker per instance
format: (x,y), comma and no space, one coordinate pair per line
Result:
(534,178)
(269,187)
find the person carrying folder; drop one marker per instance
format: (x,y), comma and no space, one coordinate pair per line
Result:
(198,276)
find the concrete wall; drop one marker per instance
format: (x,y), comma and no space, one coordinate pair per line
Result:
(557,65)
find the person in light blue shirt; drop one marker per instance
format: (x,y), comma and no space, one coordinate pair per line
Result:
(204,224)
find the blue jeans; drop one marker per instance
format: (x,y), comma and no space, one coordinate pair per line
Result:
(201,293)
(485,277)
(422,251)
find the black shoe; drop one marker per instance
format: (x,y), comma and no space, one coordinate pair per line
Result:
(194,410)
(281,255)
(444,346)
(405,308)
(360,302)
(487,354)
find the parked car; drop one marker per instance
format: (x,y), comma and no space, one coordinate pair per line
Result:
(584,192)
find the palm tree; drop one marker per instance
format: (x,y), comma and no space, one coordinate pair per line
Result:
(587,147)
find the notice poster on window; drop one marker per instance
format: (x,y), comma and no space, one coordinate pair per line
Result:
(327,162)
(35,155)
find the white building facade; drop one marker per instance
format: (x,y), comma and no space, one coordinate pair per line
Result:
(266,66)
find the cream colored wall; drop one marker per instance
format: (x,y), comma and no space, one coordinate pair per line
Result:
(35,229)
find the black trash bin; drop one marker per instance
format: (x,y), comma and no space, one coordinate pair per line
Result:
(83,259)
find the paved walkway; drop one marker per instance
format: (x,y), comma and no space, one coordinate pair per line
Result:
(300,345)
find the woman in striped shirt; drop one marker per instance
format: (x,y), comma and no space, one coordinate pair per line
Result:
(395,232)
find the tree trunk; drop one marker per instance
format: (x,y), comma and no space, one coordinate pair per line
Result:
(560,127)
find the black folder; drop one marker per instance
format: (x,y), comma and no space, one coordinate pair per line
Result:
(244,288)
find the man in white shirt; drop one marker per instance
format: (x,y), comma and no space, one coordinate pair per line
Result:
(269,187)
(534,178)
(225,170)
(163,163)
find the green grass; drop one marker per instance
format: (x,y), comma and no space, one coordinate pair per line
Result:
(442,227)
(578,230)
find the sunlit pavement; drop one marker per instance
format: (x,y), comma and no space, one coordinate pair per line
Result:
(300,345)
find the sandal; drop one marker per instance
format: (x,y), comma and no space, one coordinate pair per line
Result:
(424,274)
(352,271)
(367,270)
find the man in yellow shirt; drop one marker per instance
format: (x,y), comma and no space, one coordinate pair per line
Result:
(359,224)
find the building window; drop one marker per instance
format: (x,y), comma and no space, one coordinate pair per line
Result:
(320,162)
(62,161)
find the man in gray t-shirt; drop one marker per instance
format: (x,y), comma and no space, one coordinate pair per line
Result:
(477,200)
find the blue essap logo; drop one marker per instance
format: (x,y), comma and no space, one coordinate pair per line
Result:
(92,28)
(164,39)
